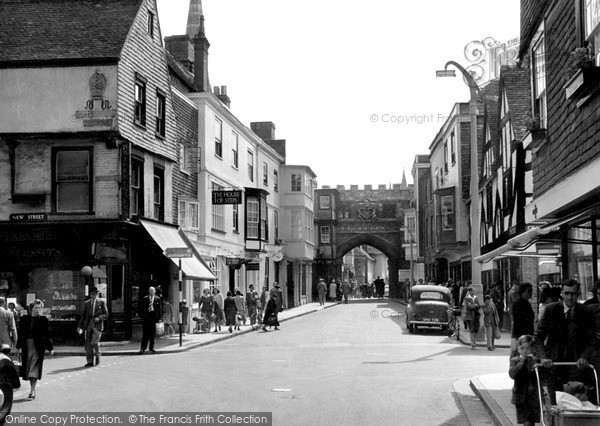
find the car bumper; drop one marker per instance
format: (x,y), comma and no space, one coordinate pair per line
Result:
(428,323)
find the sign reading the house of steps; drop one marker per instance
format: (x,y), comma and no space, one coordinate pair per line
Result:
(227,197)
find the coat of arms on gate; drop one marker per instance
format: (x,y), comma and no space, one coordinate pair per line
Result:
(366,211)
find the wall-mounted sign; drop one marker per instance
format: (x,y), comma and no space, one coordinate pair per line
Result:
(252,266)
(176,252)
(23,217)
(98,112)
(233,261)
(227,197)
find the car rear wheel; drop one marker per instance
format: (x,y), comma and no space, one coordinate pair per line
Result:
(7,401)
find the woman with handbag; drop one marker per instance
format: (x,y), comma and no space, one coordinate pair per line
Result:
(34,340)
(206,308)
(271,313)
(230,311)
(491,321)
(472,314)
(218,306)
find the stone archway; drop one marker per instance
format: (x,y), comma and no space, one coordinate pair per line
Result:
(394,255)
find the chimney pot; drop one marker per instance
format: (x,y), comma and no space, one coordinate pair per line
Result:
(216,90)
(224,90)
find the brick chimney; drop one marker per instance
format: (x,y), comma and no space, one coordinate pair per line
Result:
(182,49)
(201,46)
(264,129)
(222,95)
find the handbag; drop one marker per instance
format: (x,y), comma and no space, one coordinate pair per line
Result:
(497,333)
(160,328)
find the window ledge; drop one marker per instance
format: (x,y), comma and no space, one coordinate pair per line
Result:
(219,157)
(159,136)
(140,126)
(218,231)
(32,198)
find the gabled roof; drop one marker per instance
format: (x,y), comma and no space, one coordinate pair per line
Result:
(489,94)
(64,30)
(516,83)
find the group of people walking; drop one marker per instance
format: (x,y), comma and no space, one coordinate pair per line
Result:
(337,291)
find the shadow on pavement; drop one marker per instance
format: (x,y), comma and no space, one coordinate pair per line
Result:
(67,370)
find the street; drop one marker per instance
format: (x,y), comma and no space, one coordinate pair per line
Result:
(351,364)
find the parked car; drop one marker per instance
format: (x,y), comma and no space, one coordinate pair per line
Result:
(429,306)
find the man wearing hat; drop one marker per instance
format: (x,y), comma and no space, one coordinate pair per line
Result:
(321,289)
(92,324)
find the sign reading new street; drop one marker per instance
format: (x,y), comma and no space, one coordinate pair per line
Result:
(227,197)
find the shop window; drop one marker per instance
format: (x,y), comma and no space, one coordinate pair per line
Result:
(72,179)
(580,257)
(62,292)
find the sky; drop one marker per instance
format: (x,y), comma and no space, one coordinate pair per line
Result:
(350,85)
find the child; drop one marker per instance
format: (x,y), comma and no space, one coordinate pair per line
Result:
(490,321)
(575,397)
(524,391)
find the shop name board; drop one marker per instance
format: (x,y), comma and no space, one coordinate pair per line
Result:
(233,261)
(22,217)
(227,197)
(178,252)
(253,267)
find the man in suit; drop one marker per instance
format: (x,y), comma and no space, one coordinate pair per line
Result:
(151,312)
(92,324)
(565,333)
(321,289)
(8,330)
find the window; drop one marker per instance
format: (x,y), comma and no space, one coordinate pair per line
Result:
(308,226)
(265,174)
(188,215)
(139,113)
(150,24)
(592,27)
(489,205)
(235,149)
(325,235)
(159,196)
(236,217)
(218,138)
(453,148)
(218,212)
(137,187)
(252,217)
(324,202)
(538,67)
(183,157)
(250,166)
(160,114)
(72,175)
(446,157)
(276,224)
(507,191)
(296,183)
(296,223)
(447,202)
(275,181)
(264,230)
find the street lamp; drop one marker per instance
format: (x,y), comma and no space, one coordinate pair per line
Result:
(474,186)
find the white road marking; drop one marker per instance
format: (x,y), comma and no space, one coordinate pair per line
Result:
(281,390)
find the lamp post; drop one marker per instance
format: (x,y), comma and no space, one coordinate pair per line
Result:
(474,186)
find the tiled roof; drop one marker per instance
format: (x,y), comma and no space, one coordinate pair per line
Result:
(515,82)
(183,74)
(62,30)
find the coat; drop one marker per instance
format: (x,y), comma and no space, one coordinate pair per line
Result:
(270,318)
(87,319)
(523,318)
(471,308)
(332,288)
(321,287)
(490,315)
(8,330)
(40,333)
(551,338)
(524,390)
(230,310)
(156,314)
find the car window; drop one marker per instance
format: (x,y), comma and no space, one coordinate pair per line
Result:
(431,295)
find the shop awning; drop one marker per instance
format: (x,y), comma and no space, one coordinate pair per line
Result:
(170,237)
(518,243)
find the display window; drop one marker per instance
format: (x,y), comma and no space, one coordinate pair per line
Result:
(62,292)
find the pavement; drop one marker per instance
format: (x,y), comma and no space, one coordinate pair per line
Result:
(492,390)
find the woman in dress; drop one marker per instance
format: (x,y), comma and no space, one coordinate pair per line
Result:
(218,308)
(34,340)
(239,305)
(167,318)
(270,318)
(230,311)
(206,307)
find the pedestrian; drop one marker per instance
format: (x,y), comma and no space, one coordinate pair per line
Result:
(345,290)
(565,334)
(239,306)
(490,321)
(167,318)
(498,299)
(252,304)
(522,316)
(230,310)
(206,309)
(472,316)
(150,311)
(185,311)
(271,312)
(92,325)
(264,297)
(512,297)
(332,291)
(8,329)
(455,291)
(548,295)
(16,311)
(277,291)
(594,300)
(524,391)
(218,307)
(34,340)
(321,290)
